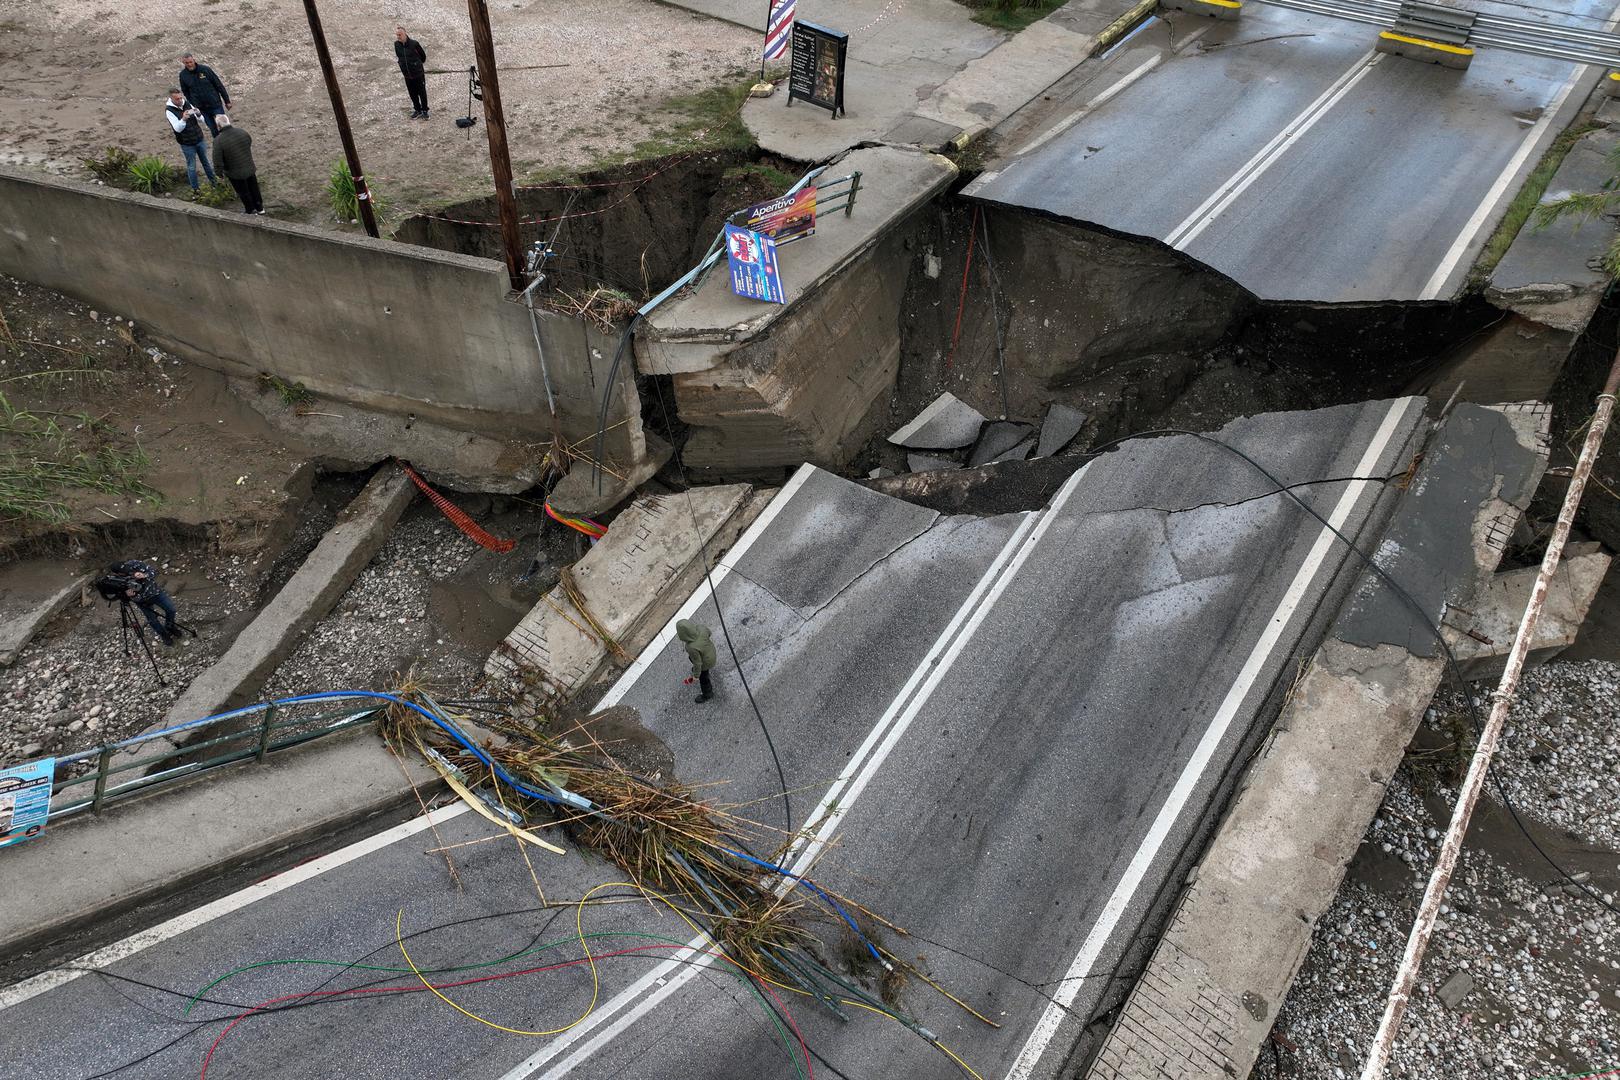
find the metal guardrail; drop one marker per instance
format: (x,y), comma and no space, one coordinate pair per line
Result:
(1552,40)
(256,740)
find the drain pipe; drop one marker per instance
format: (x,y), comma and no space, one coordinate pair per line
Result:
(545,372)
(1451,848)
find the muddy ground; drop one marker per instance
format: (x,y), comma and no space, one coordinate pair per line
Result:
(77,77)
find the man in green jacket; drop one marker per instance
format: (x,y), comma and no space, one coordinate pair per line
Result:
(233,156)
(700,650)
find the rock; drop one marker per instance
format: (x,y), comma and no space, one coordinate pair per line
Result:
(879,473)
(1062,424)
(62,718)
(929,463)
(947,424)
(32,750)
(1454,989)
(999,438)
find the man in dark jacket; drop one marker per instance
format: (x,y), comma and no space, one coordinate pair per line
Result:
(188,133)
(233,156)
(699,650)
(412,64)
(204,90)
(141,588)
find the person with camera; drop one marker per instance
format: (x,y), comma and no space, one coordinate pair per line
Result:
(184,119)
(413,65)
(204,90)
(136,582)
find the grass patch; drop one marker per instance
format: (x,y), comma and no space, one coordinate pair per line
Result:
(150,175)
(344,197)
(46,454)
(1011,15)
(291,393)
(112,165)
(771,177)
(216,194)
(1524,204)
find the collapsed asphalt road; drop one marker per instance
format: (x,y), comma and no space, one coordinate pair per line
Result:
(1002,734)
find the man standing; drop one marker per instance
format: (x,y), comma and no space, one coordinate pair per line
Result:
(142,589)
(700,650)
(412,64)
(204,90)
(233,156)
(188,133)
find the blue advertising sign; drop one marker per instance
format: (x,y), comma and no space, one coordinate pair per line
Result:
(753,265)
(25,800)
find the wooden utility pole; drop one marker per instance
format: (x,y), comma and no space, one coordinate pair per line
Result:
(361,193)
(500,161)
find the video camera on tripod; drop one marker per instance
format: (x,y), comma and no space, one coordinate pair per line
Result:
(130,583)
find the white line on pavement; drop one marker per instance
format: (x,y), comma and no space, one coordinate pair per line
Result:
(1063,996)
(831,808)
(1097,102)
(47,981)
(1225,195)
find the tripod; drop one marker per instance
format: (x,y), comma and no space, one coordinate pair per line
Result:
(127,622)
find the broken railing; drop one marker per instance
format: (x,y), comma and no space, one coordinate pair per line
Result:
(120,769)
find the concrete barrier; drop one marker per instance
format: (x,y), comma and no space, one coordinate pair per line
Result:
(378,324)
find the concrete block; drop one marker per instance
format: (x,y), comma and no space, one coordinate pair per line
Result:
(1429,52)
(22,615)
(1488,628)
(363,528)
(948,423)
(1454,989)
(1215,9)
(653,551)
(998,439)
(1062,424)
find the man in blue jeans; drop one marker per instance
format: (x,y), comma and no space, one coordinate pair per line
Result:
(188,133)
(141,589)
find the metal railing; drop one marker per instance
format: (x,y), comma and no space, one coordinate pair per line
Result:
(254,738)
(1534,38)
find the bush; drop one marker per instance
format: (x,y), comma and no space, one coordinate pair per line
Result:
(150,175)
(216,194)
(345,202)
(111,166)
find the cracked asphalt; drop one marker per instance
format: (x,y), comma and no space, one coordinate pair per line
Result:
(1003,721)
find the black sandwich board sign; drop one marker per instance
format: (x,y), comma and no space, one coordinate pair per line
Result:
(817,74)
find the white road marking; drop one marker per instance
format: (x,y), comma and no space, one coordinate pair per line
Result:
(700,595)
(1097,102)
(676,972)
(1063,996)
(1224,196)
(47,981)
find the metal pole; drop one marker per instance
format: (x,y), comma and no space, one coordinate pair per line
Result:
(264,733)
(361,193)
(103,762)
(1451,848)
(500,162)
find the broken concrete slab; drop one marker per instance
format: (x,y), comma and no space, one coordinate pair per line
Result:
(1454,989)
(654,549)
(1062,424)
(930,463)
(1488,628)
(587,491)
(949,423)
(22,613)
(363,527)
(999,438)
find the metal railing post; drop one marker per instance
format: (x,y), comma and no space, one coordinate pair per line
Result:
(264,733)
(103,761)
(854,186)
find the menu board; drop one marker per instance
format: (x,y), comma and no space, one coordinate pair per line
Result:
(817,72)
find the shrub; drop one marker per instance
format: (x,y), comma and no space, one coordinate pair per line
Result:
(111,166)
(151,175)
(216,194)
(345,202)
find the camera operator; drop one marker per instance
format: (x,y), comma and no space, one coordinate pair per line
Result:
(183,118)
(139,585)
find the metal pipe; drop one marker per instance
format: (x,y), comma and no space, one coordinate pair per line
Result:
(1451,847)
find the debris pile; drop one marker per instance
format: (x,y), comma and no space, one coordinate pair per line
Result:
(951,434)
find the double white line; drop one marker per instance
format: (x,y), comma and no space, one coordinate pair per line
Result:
(1225,195)
(620,1012)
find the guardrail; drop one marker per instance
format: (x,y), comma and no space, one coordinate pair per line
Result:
(256,740)
(1492,31)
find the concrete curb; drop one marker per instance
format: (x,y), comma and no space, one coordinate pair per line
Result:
(18,632)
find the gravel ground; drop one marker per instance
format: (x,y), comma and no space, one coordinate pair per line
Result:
(1529,964)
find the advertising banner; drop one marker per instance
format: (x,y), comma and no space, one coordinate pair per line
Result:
(25,800)
(785,218)
(753,265)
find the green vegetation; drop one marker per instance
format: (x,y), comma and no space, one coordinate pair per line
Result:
(1583,206)
(345,200)
(291,393)
(112,165)
(1011,15)
(45,454)
(217,194)
(1525,204)
(772,178)
(150,175)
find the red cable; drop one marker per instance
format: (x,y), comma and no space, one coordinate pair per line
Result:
(417,988)
(458,517)
(961,300)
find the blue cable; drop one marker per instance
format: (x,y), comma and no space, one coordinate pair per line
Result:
(817,889)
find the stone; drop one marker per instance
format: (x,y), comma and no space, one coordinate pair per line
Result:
(949,423)
(1062,424)
(60,718)
(997,439)
(1454,989)
(31,750)
(879,473)
(1017,453)
(930,463)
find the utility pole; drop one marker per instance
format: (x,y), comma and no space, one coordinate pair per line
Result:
(361,193)
(500,161)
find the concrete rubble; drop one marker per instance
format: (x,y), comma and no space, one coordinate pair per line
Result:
(1062,424)
(22,615)
(1000,441)
(1487,630)
(947,424)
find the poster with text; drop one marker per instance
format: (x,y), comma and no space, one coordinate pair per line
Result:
(785,218)
(752,257)
(25,800)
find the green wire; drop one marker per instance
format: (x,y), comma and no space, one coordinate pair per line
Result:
(732,969)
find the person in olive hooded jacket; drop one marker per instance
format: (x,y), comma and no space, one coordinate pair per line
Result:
(700,650)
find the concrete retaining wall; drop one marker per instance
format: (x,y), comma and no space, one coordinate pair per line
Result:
(378,324)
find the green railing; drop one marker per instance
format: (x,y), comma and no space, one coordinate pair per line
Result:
(252,732)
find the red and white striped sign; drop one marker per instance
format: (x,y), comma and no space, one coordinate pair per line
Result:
(779,29)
